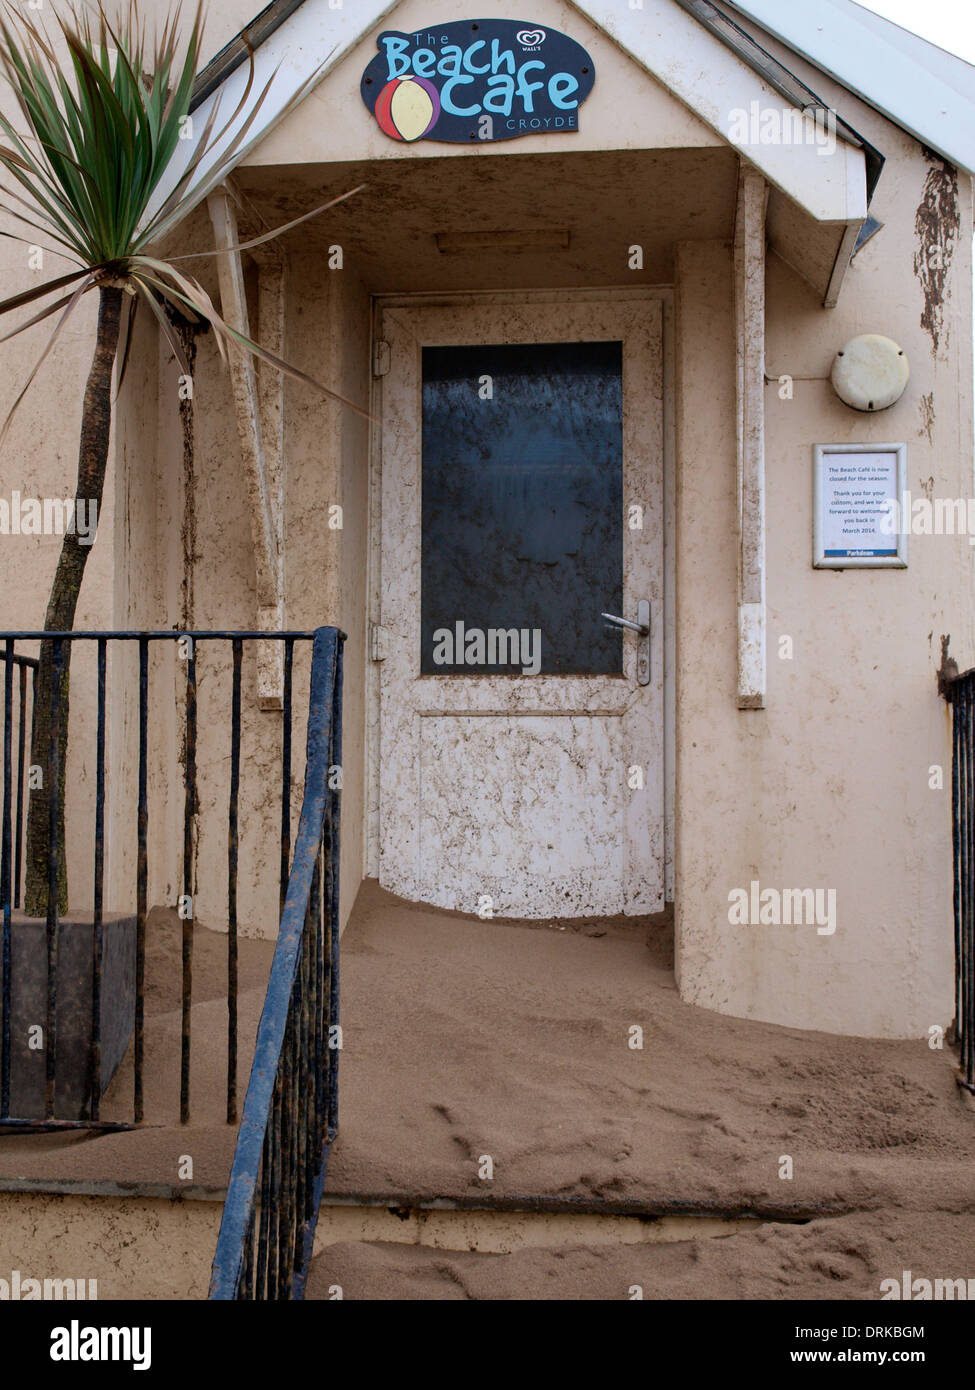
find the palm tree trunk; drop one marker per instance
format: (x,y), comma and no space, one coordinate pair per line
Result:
(96,427)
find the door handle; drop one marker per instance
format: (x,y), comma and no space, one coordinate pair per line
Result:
(642,628)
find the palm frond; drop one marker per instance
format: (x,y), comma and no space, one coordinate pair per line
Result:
(89,149)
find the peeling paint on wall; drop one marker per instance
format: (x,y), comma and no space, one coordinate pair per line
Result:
(926,411)
(936,225)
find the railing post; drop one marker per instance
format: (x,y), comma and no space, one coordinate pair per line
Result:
(333,899)
(967,982)
(5,874)
(21,752)
(95,1065)
(286,770)
(53,869)
(267,1231)
(188,907)
(959,691)
(296,1090)
(141,885)
(232,862)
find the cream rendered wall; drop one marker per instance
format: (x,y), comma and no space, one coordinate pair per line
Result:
(333,124)
(39,459)
(130,1247)
(828,787)
(224,20)
(326,463)
(135,576)
(327,454)
(786,795)
(139,547)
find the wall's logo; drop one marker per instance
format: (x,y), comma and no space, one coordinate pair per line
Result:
(482,79)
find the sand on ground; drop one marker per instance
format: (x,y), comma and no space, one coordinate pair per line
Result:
(465,1039)
(468,1040)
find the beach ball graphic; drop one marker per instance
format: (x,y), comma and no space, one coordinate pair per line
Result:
(408,108)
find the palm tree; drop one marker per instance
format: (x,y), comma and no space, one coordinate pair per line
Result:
(88,159)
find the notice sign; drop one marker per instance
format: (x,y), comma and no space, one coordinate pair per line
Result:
(857,489)
(477,80)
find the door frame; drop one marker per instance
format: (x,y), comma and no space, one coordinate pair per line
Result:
(471,298)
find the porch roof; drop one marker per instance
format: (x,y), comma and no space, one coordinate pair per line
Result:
(925,90)
(696,51)
(301,43)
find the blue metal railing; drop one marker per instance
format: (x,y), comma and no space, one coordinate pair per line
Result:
(49,1111)
(15,783)
(291,1109)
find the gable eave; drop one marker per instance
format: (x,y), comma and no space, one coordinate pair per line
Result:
(664,39)
(893,78)
(235,53)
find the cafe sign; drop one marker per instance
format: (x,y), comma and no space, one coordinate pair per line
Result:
(479,79)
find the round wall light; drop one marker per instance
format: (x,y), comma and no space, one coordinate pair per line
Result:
(870,372)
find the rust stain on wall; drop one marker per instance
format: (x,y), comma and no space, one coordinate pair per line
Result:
(936,224)
(187,425)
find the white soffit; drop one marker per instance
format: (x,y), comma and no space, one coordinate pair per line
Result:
(661,37)
(710,79)
(922,89)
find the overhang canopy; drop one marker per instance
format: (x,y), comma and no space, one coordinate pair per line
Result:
(921,88)
(817,205)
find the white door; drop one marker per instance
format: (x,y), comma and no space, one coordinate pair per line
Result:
(521,734)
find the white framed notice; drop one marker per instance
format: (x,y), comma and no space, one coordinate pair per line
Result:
(856,506)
